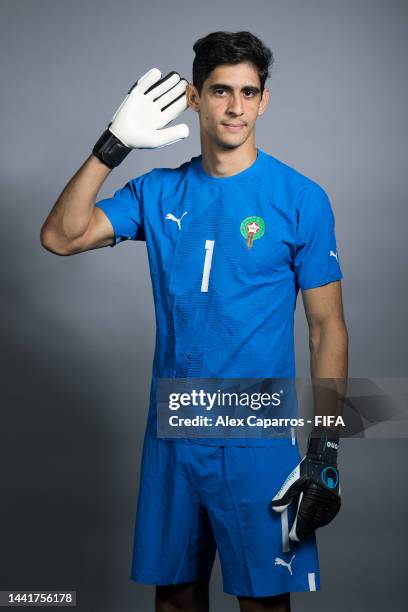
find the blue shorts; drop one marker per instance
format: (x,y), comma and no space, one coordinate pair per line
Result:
(195,499)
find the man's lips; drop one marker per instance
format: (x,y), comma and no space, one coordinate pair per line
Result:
(233,127)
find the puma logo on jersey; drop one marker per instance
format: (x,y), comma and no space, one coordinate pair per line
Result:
(173,218)
(279,561)
(333,254)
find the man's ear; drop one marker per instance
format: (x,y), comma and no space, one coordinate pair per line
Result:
(264,102)
(192,97)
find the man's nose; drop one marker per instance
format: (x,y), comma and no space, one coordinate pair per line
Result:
(235,105)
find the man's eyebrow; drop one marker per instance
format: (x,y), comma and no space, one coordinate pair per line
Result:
(215,86)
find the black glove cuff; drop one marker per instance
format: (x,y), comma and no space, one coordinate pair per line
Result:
(110,150)
(323,445)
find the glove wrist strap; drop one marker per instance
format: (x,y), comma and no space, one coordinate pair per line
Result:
(110,150)
(323,445)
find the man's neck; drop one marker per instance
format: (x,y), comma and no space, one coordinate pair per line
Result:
(221,163)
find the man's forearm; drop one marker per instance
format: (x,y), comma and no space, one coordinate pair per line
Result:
(329,351)
(71,213)
(329,367)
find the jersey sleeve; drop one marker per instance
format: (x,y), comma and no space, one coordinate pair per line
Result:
(125,211)
(316,260)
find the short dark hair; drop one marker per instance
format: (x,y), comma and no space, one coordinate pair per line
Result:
(230,48)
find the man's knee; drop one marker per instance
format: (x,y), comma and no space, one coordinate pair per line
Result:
(184,597)
(276,603)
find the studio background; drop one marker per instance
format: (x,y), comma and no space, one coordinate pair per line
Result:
(78,332)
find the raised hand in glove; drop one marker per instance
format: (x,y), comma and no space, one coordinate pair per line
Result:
(151,103)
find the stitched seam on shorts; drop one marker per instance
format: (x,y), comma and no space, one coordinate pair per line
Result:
(239,523)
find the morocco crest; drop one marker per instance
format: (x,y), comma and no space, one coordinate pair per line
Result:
(251,229)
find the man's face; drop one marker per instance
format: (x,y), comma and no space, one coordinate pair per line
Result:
(229,104)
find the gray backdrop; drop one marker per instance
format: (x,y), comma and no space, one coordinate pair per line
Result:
(78,332)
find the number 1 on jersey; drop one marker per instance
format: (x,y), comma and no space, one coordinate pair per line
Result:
(209,248)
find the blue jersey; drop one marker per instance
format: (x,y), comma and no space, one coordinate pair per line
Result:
(227,258)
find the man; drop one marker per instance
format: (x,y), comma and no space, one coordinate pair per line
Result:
(232,235)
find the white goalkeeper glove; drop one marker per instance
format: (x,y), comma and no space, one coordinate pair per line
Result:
(151,103)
